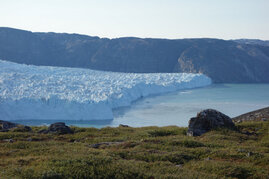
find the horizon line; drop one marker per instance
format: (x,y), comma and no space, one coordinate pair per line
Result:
(82,34)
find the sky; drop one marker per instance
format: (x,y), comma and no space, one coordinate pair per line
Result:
(173,19)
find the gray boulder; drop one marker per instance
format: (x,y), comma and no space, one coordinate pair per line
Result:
(207,120)
(5,126)
(123,125)
(58,128)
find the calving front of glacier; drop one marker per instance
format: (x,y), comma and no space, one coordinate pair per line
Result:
(58,93)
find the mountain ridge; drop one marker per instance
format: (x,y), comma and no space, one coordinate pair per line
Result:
(231,61)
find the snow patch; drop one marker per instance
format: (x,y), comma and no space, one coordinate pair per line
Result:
(53,93)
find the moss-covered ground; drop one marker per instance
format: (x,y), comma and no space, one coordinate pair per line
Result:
(148,152)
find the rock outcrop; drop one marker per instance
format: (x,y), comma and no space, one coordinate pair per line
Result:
(207,120)
(5,126)
(58,128)
(257,115)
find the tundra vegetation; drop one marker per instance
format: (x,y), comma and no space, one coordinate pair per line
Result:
(147,152)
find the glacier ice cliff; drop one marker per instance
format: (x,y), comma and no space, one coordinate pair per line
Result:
(55,93)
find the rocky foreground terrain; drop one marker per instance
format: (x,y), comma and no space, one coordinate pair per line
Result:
(59,151)
(239,61)
(258,115)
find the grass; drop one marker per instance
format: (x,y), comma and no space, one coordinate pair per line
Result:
(148,152)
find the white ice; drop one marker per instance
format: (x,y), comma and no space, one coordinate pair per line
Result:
(53,93)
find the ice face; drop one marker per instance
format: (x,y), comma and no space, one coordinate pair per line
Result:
(40,92)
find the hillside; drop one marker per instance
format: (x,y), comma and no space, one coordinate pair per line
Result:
(258,115)
(223,61)
(126,152)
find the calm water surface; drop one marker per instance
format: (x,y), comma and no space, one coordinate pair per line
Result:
(177,108)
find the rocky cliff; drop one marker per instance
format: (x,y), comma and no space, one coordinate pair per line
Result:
(239,61)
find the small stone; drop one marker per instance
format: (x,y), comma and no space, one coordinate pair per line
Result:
(249,154)
(190,133)
(241,150)
(248,133)
(96,146)
(8,140)
(208,158)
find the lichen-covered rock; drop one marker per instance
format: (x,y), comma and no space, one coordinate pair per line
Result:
(58,128)
(5,126)
(208,119)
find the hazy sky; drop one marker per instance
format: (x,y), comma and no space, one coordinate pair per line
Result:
(226,19)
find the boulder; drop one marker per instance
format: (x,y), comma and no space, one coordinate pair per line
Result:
(5,126)
(59,128)
(207,120)
(123,125)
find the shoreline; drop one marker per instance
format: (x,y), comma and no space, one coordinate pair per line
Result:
(255,115)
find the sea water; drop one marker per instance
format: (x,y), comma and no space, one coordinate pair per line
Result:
(178,107)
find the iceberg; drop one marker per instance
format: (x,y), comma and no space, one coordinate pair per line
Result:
(60,93)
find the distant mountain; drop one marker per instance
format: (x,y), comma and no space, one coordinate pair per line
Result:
(232,61)
(253,42)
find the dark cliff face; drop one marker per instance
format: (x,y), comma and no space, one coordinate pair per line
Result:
(226,61)
(223,61)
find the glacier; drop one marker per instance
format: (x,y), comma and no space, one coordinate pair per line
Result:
(61,93)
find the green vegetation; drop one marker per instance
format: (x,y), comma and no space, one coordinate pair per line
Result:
(148,152)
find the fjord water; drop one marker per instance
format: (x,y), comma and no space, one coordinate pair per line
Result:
(177,108)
